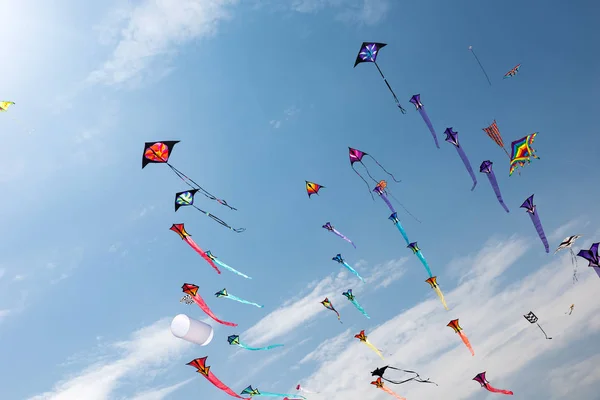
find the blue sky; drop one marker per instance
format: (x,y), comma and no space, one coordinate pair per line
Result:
(263,96)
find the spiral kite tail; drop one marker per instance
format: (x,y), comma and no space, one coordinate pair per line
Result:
(429,125)
(204,307)
(535,218)
(467,163)
(466,342)
(494,182)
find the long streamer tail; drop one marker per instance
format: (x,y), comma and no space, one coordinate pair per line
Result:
(494,390)
(494,183)
(215,381)
(387,201)
(290,396)
(345,264)
(375,349)
(390,391)
(467,163)
(438,291)
(535,218)
(402,231)
(219,220)
(424,262)
(229,296)
(466,342)
(198,250)
(245,346)
(429,125)
(204,307)
(543,331)
(227,267)
(338,315)
(359,308)
(344,237)
(480,66)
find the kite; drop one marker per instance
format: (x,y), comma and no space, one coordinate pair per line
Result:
(485,384)
(186,198)
(379,384)
(522,152)
(494,133)
(571,309)
(567,243)
(454,325)
(486,168)
(512,72)
(416,250)
(234,340)
(180,230)
(313,188)
(368,53)
(533,319)
(255,392)
(4,105)
(192,296)
(434,285)
(357,156)
(363,338)
(481,66)
(351,297)
(224,294)
(535,218)
(301,389)
(592,256)
(452,137)
(382,191)
(394,218)
(417,378)
(339,259)
(327,304)
(159,153)
(416,100)
(202,368)
(222,264)
(331,228)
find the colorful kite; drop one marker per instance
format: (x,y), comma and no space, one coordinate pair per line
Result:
(363,338)
(331,228)
(368,53)
(494,133)
(313,188)
(592,256)
(301,389)
(417,378)
(454,325)
(533,319)
(568,244)
(535,218)
(357,156)
(234,340)
(394,218)
(225,295)
(250,391)
(380,190)
(434,285)
(521,152)
(481,66)
(452,137)
(222,264)
(486,168)
(191,295)
(339,259)
(416,100)
(186,198)
(202,368)
(379,384)
(416,250)
(4,105)
(180,230)
(485,384)
(512,72)
(353,300)
(327,304)
(571,309)
(159,153)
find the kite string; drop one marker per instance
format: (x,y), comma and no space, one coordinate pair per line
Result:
(481,66)
(366,183)
(390,88)
(381,166)
(219,220)
(401,205)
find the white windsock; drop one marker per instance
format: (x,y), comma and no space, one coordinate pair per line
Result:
(192,330)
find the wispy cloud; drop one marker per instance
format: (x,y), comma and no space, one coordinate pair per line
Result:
(159,394)
(354,11)
(289,113)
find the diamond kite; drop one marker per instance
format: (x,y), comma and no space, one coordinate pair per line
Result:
(234,340)
(535,218)
(186,198)
(486,168)
(327,304)
(191,295)
(485,384)
(340,260)
(224,294)
(357,156)
(363,338)
(180,230)
(313,188)
(452,138)
(416,100)
(454,325)
(592,256)
(332,229)
(521,152)
(567,243)
(353,300)
(202,368)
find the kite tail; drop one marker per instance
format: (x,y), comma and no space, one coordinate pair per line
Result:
(467,163)
(359,308)
(402,231)
(387,201)
(494,183)
(198,250)
(227,267)
(390,88)
(291,396)
(219,220)
(204,307)
(481,66)
(424,262)
(344,237)
(539,326)
(389,391)
(215,381)
(232,297)
(375,349)
(535,218)
(191,183)
(338,315)
(438,291)
(466,342)
(384,170)
(245,346)
(494,390)
(345,264)
(429,125)
(363,179)
(574,262)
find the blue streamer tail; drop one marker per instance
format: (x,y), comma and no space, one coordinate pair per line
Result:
(227,267)
(359,307)
(353,271)
(402,232)
(232,297)
(245,346)
(424,262)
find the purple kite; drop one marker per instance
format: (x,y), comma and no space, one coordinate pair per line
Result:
(380,190)
(486,168)
(416,100)
(330,228)
(452,137)
(357,156)
(592,256)
(535,218)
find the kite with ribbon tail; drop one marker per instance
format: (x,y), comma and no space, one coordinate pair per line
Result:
(452,138)
(416,377)
(250,391)
(356,156)
(192,296)
(328,305)
(533,319)
(159,153)
(394,218)
(368,53)
(379,385)
(313,188)
(332,229)
(494,133)
(486,168)
(567,243)
(485,384)
(434,285)
(234,340)
(186,198)
(183,234)
(521,152)
(592,257)
(416,100)
(222,264)
(204,370)
(226,295)
(535,218)
(363,338)
(417,251)
(456,327)
(353,300)
(340,260)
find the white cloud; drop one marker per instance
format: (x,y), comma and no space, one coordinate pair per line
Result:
(583,373)
(275,123)
(159,394)
(19,277)
(145,352)
(353,11)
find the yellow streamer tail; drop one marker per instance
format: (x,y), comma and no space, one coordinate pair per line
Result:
(441,296)
(374,349)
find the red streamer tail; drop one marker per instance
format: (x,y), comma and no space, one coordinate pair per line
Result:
(204,307)
(494,390)
(215,381)
(198,250)
(466,342)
